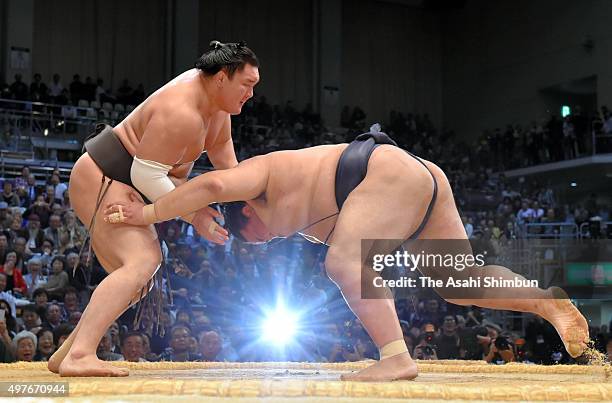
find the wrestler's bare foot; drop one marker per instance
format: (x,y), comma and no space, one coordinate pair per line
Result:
(567,320)
(88,365)
(56,359)
(399,367)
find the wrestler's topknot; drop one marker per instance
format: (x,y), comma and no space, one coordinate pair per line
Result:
(226,56)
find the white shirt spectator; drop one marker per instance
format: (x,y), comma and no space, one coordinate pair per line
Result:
(55,90)
(59,191)
(526,215)
(38,281)
(12,301)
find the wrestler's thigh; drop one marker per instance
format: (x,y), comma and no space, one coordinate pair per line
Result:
(115,244)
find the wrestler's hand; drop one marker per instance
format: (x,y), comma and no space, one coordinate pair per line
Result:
(125,212)
(204,223)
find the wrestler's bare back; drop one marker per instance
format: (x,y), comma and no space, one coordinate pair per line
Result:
(301,188)
(184,96)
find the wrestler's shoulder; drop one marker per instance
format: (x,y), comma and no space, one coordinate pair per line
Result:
(307,155)
(175,115)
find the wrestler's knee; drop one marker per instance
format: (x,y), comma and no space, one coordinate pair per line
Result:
(145,267)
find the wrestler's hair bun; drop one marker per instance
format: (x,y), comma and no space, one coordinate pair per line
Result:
(227,56)
(215,45)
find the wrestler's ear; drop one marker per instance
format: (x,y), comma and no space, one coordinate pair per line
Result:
(220,76)
(247,211)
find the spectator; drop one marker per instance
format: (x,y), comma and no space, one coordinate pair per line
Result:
(40,208)
(424,350)
(31,318)
(34,234)
(25,344)
(3,247)
(59,188)
(447,343)
(6,355)
(46,348)
(133,347)
(8,196)
(5,340)
(193,346)
(40,297)
(53,231)
(179,345)
(19,89)
(115,339)
(104,351)
(184,317)
(22,181)
(71,301)
(14,278)
(100,91)
(61,333)
(428,313)
(148,355)
(76,89)
(47,252)
(6,218)
(31,189)
(35,278)
(210,346)
(49,194)
(73,234)
(9,297)
(75,317)
(20,248)
(58,279)
(500,351)
(53,316)
(55,88)
(474,342)
(15,231)
(89,89)
(10,323)
(525,214)
(38,89)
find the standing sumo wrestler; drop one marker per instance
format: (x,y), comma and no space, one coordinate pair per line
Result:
(151,151)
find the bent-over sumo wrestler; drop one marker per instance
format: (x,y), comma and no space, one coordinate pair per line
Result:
(379,192)
(148,154)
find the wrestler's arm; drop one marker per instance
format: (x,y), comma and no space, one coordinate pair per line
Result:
(245,182)
(222,155)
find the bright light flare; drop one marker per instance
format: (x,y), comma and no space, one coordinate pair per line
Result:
(279,326)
